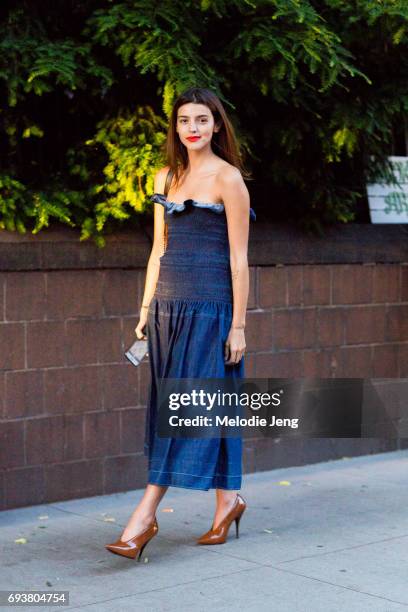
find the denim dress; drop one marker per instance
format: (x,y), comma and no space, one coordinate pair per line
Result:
(188,322)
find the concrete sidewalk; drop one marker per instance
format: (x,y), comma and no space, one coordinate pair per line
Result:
(334,539)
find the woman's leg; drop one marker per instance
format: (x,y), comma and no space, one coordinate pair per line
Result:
(225,500)
(144,512)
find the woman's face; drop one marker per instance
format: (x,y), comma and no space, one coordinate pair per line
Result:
(195,125)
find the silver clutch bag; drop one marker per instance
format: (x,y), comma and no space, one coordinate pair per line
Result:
(137,351)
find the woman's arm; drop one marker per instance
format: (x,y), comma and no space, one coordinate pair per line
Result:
(153,265)
(236,200)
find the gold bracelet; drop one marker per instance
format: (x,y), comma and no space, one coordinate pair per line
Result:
(144,306)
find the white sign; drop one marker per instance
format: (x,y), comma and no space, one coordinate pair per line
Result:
(389,203)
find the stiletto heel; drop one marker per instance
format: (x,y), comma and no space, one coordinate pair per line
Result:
(135,546)
(219,534)
(141,550)
(237,525)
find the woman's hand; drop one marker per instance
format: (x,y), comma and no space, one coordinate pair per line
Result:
(234,346)
(142,322)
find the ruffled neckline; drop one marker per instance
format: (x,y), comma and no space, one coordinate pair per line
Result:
(171,207)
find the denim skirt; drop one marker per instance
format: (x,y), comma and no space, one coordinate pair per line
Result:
(186,340)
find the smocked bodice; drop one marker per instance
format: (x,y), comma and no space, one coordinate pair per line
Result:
(196,263)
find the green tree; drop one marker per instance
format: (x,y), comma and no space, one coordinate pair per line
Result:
(315,88)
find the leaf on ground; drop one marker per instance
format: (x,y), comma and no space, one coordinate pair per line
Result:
(20,541)
(285,483)
(268,530)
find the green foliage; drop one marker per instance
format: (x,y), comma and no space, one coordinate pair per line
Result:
(158,38)
(131,142)
(32,63)
(18,203)
(317,90)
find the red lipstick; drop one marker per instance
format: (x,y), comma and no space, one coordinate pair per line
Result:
(193,138)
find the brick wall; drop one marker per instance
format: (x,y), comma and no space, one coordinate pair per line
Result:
(72,408)
(329,320)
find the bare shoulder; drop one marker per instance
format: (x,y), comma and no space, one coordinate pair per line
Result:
(227,173)
(160,179)
(231,182)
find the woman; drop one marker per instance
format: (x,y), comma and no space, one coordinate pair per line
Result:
(194,306)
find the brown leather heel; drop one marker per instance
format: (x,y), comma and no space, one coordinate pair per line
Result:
(135,546)
(219,535)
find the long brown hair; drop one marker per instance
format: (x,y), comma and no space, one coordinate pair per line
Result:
(224,142)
